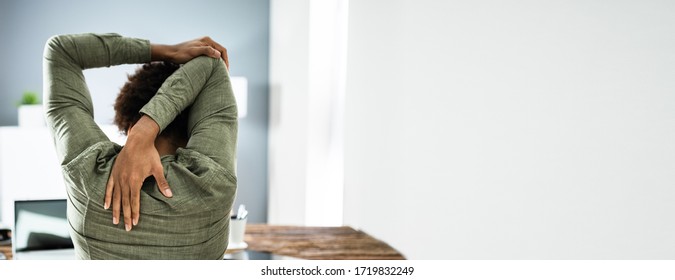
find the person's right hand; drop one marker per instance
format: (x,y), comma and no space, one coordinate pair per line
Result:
(138,160)
(186,51)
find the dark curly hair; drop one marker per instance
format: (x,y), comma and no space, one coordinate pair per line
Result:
(138,91)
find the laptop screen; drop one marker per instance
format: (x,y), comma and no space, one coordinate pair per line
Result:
(40,225)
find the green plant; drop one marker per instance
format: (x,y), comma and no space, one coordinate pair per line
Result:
(29,98)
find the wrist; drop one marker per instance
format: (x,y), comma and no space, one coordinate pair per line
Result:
(161,52)
(143,132)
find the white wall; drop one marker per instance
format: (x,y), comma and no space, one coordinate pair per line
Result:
(307,61)
(512,129)
(29,169)
(287,158)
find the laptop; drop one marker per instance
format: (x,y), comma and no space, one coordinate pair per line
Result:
(41,230)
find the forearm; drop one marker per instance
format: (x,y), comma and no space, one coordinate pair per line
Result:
(160,52)
(65,57)
(179,91)
(144,131)
(204,84)
(96,50)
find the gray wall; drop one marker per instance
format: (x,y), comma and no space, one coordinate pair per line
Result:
(241,26)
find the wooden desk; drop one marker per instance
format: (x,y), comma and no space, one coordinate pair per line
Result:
(314,243)
(318,243)
(7,250)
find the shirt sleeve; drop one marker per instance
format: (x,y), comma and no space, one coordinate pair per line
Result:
(203,87)
(69,111)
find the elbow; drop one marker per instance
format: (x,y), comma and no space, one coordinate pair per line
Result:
(219,67)
(207,60)
(54,45)
(219,64)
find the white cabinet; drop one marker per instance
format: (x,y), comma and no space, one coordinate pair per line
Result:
(29,169)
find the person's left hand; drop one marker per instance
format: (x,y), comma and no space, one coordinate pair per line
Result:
(186,51)
(138,160)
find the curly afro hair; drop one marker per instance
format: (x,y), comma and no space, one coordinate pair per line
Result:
(138,91)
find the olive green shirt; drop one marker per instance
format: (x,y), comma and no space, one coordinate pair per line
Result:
(194,223)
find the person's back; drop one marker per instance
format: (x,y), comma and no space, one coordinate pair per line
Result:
(193,222)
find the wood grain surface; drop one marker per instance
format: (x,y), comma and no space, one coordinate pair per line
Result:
(318,243)
(7,250)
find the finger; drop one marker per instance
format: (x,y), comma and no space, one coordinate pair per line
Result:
(214,53)
(162,183)
(223,52)
(221,49)
(225,58)
(126,205)
(207,51)
(135,204)
(108,192)
(117,199)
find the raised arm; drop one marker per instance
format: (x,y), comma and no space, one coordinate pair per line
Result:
(67,102)
(68,105)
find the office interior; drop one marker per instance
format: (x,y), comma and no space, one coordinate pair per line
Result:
(445,129)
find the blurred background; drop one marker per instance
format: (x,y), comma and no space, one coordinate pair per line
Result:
(241,26)
(448,129)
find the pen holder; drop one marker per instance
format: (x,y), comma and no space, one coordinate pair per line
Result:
(237,230)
